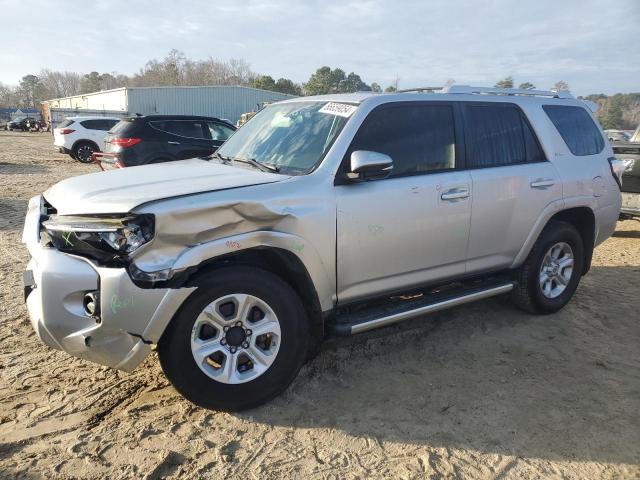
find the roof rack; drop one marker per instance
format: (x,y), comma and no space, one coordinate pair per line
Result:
(506,91)
(490,91)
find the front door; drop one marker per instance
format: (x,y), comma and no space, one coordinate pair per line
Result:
(412,227)
(219,133)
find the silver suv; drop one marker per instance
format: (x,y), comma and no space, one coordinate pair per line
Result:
(322,215)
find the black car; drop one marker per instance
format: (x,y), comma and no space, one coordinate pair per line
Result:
(20,124)
(629,153)
(147,139)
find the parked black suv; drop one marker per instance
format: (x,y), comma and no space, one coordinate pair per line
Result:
(20,124)
(147,139)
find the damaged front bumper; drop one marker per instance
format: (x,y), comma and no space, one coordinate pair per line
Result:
(56,284)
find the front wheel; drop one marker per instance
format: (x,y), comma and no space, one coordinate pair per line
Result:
(238,341)
(550,275)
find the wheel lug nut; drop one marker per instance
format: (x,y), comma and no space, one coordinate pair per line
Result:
(245,345)
(226,329)
(248,332)
(238,324)
(233,349)
(223,342)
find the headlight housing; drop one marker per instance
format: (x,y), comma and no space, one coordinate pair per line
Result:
(108,239)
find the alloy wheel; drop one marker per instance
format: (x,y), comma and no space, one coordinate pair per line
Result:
(235,338)
(556,270)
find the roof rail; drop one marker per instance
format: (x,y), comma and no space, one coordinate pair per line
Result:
(506,91)
(421,89)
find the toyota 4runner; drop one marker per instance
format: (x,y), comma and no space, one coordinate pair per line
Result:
(322,215)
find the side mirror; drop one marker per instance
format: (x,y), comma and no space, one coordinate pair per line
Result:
(367,165)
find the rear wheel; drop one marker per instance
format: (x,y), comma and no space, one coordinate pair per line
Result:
(239,340)
(549,277)
(83,151)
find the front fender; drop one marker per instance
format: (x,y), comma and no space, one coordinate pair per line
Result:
(298,246)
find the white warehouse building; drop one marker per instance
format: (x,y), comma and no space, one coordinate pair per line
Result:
(221,101)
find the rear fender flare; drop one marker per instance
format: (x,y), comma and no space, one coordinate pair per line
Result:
(549,211)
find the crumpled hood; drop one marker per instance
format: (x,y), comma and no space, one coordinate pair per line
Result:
(121,190)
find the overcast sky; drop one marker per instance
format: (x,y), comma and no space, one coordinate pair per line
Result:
(594,45)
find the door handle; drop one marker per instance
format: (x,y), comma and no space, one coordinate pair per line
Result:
(173,143)
(454,195)
(542,183)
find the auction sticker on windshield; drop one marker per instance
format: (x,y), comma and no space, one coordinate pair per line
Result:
(339,109)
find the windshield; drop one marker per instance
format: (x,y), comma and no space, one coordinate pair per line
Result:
(293,137)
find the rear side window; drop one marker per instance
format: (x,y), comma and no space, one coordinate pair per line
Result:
(66,123)
(98,124)
(418,138)
(498,135)
(577,129)
(182,128)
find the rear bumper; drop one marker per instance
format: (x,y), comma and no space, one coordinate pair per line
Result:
(55,286)
(107,161)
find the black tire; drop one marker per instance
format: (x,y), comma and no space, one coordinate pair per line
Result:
(83,150)
(527,293)
(177,361)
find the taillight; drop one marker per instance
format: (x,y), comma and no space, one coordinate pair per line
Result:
(617,169)
(65,131)
(124,142)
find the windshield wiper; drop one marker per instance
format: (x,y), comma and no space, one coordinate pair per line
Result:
(262,166)
(223,159)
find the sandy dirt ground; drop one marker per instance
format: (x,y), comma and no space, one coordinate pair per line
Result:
(481,391)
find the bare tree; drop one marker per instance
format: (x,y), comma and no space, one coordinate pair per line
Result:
(60,84)
(8,96)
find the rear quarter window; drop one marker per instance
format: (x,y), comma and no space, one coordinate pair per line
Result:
(577,129)
(66,123)
(121,126)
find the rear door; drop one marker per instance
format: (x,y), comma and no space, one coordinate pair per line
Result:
(183,138)
(412,227)
(513,182)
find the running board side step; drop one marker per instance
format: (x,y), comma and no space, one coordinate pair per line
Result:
(351,328)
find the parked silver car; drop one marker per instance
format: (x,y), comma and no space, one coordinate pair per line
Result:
(332,214)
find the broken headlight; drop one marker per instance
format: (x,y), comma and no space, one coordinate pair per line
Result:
(109,240)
